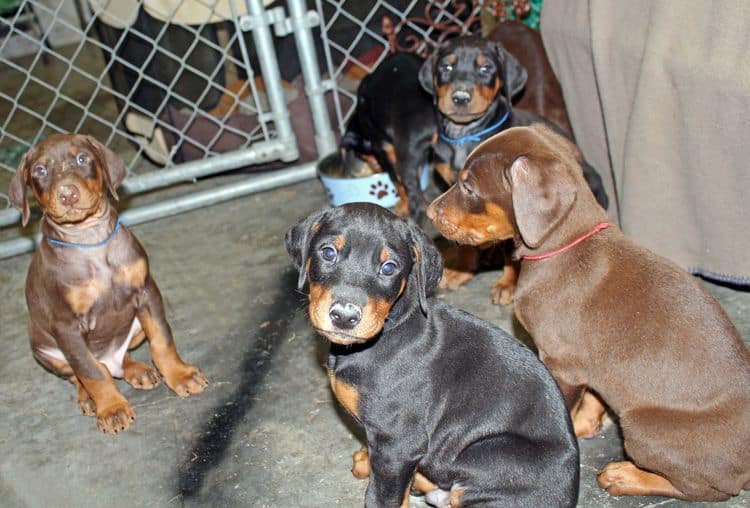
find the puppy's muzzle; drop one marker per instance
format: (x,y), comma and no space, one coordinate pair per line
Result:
(68,194)
(345,316)
(461,97)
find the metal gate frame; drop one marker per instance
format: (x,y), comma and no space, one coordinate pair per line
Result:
(283,147)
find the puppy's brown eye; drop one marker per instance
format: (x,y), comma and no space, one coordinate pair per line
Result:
(39,171)
(446,67)
(82,159)
(485,69)
(328,253)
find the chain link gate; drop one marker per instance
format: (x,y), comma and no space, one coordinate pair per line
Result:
(183,89)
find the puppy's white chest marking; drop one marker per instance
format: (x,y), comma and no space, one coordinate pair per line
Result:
(112,358)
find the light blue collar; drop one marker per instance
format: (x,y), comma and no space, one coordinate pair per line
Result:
(88,245)
(477,136)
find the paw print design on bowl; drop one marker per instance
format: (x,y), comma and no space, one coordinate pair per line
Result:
(381,190)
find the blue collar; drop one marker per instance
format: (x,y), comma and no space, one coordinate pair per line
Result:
(477,136)
(88,245)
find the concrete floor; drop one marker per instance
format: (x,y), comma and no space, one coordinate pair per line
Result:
(266,432)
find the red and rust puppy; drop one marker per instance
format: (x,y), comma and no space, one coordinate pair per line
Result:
(473,81)
(88,290)
(615,323)
(436,389)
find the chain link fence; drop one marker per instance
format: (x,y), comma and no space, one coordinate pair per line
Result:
(182,89)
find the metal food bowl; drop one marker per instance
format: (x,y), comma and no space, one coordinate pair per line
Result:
(352,181)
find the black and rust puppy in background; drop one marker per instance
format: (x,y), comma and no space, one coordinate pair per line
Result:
(437,390)
(473,81)
(88,290)
(392,127)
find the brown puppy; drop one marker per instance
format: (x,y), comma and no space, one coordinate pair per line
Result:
(613,322)
(88,290)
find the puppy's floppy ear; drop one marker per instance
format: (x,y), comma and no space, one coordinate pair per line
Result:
(298,238)
(112,165)
(18,186)
(543,193)
(514,74)
(427,73)
(427,267)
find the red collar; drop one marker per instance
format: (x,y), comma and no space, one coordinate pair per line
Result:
(597,228)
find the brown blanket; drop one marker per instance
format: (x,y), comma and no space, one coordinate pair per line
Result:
(658,94)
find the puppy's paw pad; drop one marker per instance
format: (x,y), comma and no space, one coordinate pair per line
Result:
(141,376)
(626,479)
(454,279)
(586,429)
(115,418)
(502,295)
(87,406)
(619,478)
(402,208)
(588,417)
(361,464)
(186,381)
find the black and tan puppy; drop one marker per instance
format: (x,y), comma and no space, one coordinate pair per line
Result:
(392,127)
(88,290)
(436,389)
(615,323)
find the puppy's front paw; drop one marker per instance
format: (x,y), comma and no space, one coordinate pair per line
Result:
(502,292)
(185,380)
(86,405)
(626,479)
(587,428)
(588,417)
(454,279)
(115,417)
(402,208)
(85,402)
(140,376)
(361,464)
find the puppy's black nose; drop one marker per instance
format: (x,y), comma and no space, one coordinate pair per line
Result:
(68,194)
(345,315)
(461,97)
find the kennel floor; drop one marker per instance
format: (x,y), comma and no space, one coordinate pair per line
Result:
(266,432)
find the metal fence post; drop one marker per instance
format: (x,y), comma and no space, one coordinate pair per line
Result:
(301,21)
(257,21)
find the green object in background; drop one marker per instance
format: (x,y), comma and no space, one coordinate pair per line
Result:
(7,6)
(532,18)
